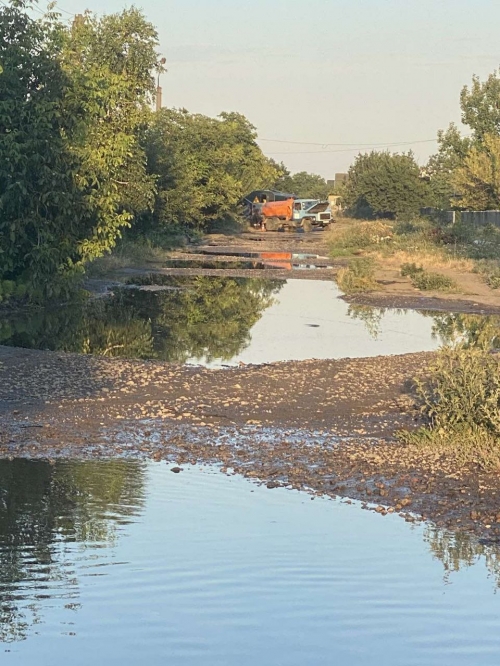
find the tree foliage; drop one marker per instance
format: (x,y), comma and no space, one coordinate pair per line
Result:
(480,106)
(477,179)
(72,101)
(304,185)
(453,148)
(463,172)
(204,166)
(384,185)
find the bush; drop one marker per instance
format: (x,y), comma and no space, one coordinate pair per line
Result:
(463,388)
(426,281)
(490,272)
(12,290)
(433,281)
(461,402)
(410,270)
(358,276)
(360,236)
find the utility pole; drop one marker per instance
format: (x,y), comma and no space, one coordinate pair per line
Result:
(158,88)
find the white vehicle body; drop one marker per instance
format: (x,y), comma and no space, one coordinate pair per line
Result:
(316,211)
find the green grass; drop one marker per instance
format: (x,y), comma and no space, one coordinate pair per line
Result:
(358,276)
(460,400)
(427,281)
(359,236)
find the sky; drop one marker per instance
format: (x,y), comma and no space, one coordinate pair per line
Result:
(323,79)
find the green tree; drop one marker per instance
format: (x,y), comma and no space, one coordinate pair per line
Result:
(204,166)
(73,103)
(110,62)
(480,106)
(40,203)
(304,185)
(477,179)
(453,148)
(473,155)
(385,185)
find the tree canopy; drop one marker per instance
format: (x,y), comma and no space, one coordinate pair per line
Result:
(381,184)
(204,166)
(72,174)
(304,185)
(464,172)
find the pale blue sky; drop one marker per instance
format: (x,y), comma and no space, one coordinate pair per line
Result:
(323,71)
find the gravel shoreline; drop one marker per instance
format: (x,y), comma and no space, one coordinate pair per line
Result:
(327,427)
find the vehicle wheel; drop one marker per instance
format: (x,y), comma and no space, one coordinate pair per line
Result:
(307,225)
(273,223)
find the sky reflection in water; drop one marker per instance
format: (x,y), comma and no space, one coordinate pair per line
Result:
(124,562)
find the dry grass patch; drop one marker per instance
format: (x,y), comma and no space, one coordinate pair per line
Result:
(437,258)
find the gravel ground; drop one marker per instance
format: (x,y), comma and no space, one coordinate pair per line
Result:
(324,426)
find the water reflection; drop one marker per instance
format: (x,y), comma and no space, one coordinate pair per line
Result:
(43,509)
(196,583)
(472,330)
(220,320)
(459,550)
(448,328)
(200,317)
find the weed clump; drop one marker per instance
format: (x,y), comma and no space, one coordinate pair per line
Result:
(360,236)
(425,280)
(358,276)
(461,401)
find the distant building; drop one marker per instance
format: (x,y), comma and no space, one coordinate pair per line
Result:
(340,179)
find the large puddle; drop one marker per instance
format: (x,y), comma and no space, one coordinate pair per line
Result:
(222,321)
(126,563)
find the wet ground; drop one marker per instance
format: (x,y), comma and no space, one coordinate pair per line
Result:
(323,426)
(220,571)
(219,321)
(89,381)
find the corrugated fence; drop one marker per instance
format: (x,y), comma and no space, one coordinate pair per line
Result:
(481,217)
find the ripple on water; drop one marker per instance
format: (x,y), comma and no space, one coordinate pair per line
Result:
(134,563)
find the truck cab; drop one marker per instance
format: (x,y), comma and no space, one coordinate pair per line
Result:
(315,211)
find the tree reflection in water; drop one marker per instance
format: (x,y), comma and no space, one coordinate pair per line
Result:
(43,508)
(459,550)
(472,330)
(195,317)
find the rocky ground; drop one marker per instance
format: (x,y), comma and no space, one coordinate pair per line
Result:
(325,426)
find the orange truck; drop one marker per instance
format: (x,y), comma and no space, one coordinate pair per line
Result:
(294,214)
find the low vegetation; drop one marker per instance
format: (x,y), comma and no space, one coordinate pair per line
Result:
(427,281)
(358,276)
(422,248)
(460,399)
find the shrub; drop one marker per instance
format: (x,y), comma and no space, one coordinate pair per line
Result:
(409,270)
(360,236)
(463,388)
(358,276)
(461,402)
(433,281)
(490,273)
(426,281)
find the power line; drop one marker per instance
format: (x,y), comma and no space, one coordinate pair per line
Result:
(35,8)
(326,145)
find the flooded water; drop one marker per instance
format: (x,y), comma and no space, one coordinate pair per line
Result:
(218,321)
(117,562)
